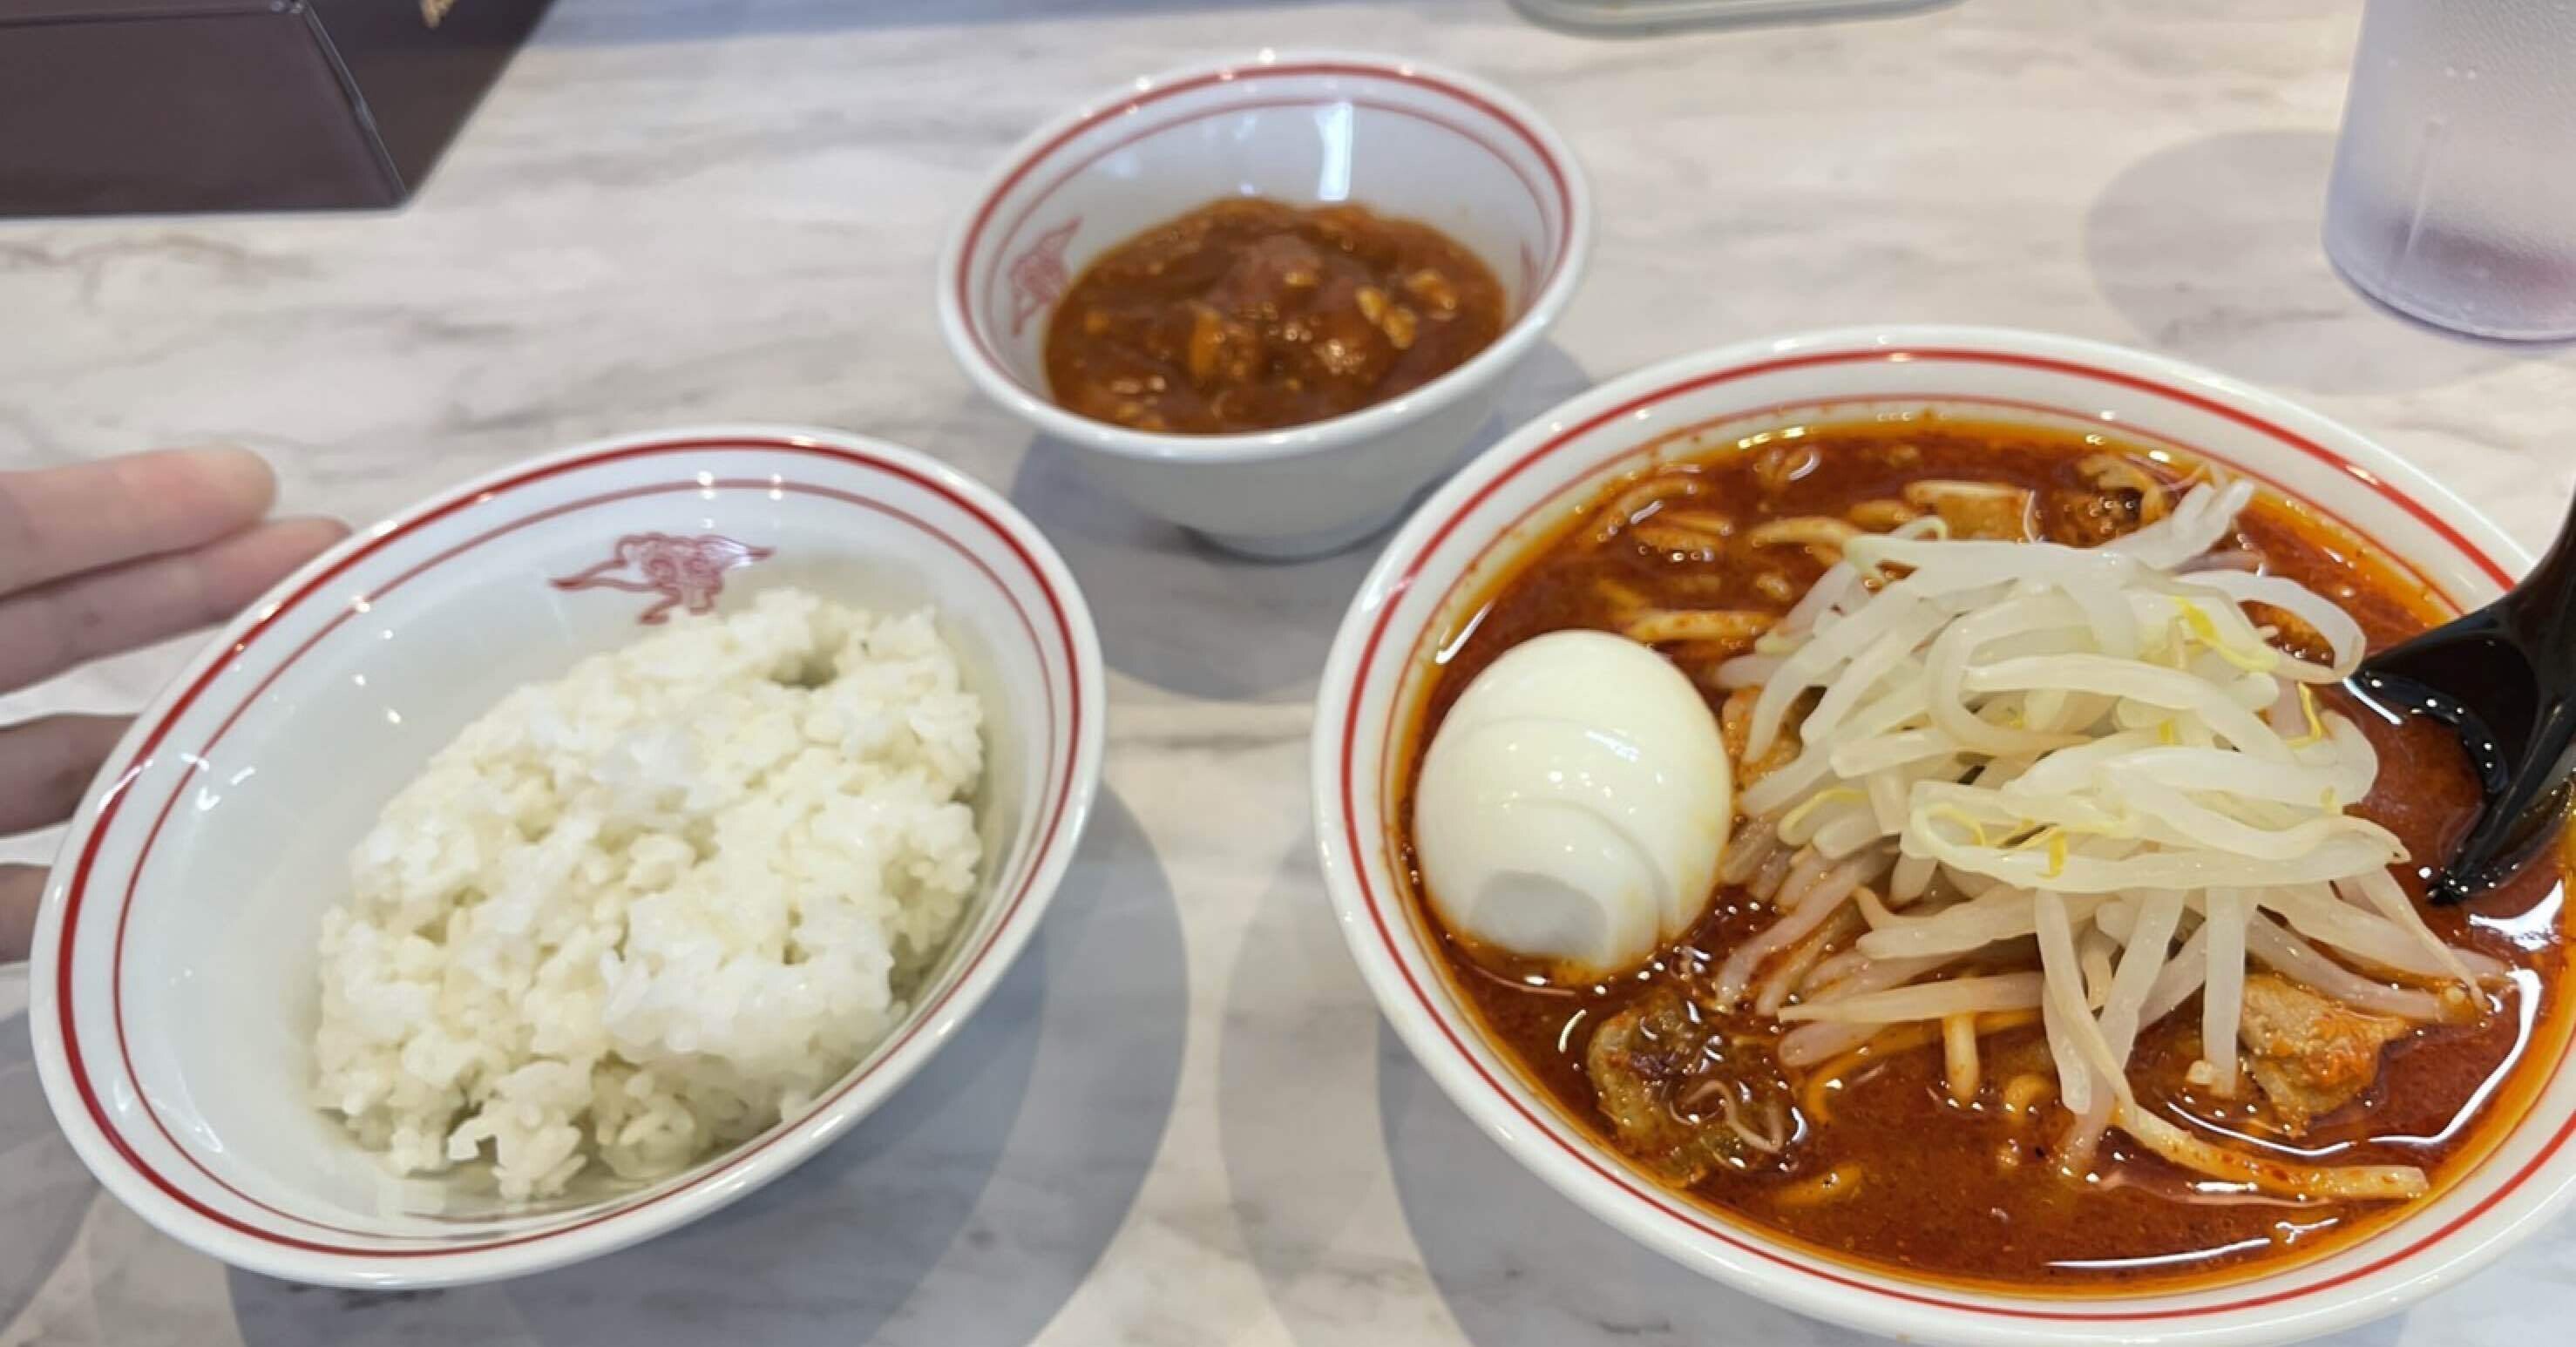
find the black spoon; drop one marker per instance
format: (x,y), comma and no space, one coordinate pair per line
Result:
(2504,679)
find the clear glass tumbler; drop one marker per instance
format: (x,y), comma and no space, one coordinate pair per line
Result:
(2454,192)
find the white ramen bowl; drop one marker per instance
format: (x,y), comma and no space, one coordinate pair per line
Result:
(1483,521)
(174,973)
(1307,128)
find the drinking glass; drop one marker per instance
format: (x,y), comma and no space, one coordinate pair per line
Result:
(2454,190)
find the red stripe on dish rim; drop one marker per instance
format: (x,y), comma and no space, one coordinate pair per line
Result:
(1231,74)
(1062,792)
(1619,1179)
(1556,243)
(134,880)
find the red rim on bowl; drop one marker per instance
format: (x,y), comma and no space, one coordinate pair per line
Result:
(1340,760)
(1061,632)
(964,276)
(977,256)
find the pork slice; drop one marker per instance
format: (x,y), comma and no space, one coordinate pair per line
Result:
(2309,1054)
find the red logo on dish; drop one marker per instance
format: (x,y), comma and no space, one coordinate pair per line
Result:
(1038,276)
(687,572)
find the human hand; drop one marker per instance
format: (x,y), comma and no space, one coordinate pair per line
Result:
(106,557)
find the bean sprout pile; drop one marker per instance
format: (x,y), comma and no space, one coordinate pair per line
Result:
(1993,780)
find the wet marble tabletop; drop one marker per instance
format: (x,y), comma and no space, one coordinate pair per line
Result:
(1179,1121)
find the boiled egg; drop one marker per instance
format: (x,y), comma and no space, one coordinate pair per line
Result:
(1573,804)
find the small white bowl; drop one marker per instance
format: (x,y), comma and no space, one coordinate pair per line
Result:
(173,980)
(1306,128)
(1483,521)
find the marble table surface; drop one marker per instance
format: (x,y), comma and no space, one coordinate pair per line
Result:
(1180,1121)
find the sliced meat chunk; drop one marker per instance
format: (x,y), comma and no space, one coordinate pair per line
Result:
(1879,516)
(2119,498)
(1986,510)
(2309,1054)
(1662,1074)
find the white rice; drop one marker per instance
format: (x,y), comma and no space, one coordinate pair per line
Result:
(637,914)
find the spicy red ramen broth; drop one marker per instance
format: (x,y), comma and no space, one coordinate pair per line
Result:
(1883,1166)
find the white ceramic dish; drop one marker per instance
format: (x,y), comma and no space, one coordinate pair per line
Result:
(1484,518)
(173,980)
(1402,138)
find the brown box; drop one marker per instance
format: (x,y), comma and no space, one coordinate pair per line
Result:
(201,105)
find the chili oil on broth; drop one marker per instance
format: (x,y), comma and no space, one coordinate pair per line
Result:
(1886,1169)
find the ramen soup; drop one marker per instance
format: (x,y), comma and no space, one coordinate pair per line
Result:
(2068,925)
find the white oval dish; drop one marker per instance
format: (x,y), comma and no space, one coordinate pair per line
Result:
(1484,519)
(173,978)
(1402,138)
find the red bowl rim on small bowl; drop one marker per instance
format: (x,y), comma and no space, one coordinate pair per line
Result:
(1564,273)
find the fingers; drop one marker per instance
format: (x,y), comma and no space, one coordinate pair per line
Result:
(20,887)
(102,557)
(53,627)
(56,522)
(46,766)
